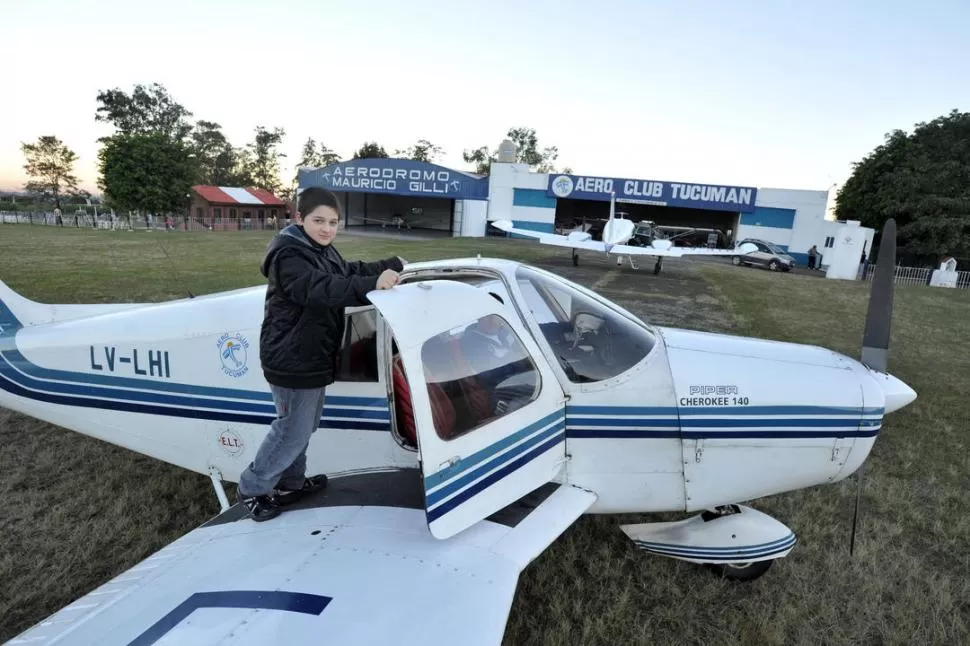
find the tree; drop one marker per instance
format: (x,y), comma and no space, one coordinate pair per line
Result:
(214,155)
(147,110)
(481,157)
(150,162)
(146,172)
(423,151)
(922,180)
(371,150)
(327,157)
(527,142)
(308,156)
(264,159)
(527,152)
(312,157)
(51,165)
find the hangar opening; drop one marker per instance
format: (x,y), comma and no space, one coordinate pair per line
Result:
(688,214)
(402,195)
(685,226)
(400,212)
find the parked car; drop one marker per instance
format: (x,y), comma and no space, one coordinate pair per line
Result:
(768,255)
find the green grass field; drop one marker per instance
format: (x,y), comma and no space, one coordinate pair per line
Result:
(79,511)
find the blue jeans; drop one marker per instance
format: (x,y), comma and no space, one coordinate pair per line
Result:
(281,458)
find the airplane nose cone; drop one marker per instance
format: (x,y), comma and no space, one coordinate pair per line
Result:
(898,394)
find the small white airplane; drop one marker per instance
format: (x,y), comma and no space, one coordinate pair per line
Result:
(415,218)
(616,234)
(481,407)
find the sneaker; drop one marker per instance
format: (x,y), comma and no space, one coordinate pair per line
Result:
(260,507)
(290,496)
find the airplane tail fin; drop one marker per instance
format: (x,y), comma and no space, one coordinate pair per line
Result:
(17,311)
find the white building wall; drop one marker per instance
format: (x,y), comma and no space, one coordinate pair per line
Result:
(860,238)
(474,213)
(845,257)
(768,234)
(502,182)
(809,220)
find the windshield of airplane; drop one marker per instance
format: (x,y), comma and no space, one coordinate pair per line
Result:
(591,341)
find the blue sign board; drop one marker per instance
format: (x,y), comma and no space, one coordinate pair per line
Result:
(396,177)
(739,199)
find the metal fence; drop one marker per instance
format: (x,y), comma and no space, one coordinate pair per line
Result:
(132,222)
(917,276)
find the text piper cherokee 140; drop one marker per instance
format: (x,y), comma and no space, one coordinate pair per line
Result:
(617,233)
(451,468)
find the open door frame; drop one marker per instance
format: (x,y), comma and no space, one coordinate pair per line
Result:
(472,475)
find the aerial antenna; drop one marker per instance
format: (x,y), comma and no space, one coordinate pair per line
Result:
(178,277)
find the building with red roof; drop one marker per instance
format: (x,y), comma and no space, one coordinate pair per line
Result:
(229,207)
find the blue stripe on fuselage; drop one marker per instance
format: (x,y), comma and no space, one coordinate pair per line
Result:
(765,422)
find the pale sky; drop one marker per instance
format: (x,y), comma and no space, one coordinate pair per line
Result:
(776,93)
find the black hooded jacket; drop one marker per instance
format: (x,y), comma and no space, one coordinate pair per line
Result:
(309,287)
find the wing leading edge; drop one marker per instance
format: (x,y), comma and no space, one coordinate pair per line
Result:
(338,574)
(580,240)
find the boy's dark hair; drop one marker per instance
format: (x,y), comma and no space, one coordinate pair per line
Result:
(316,196)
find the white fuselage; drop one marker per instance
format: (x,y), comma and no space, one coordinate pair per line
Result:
(702,420)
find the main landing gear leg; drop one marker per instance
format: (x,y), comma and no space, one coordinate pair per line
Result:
(575,258)
(659,265)
(633,263)
(216,476)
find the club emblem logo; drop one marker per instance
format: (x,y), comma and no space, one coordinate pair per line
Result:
(233,354)
(562,186)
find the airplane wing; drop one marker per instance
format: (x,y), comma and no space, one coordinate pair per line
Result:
(582,240)
(676,252)
(326,571)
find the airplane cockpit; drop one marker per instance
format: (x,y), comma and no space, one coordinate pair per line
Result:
(591,341)
(480,371)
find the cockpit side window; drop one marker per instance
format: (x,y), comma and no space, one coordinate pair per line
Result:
(477,373)
(591,341)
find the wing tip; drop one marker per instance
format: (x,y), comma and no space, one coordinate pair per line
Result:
(502,225)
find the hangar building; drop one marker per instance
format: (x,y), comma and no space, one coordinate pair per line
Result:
(793,220)
(405,194)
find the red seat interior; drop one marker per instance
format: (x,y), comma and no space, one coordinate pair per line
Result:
(441,408)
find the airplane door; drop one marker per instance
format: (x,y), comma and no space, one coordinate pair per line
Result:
(488,411)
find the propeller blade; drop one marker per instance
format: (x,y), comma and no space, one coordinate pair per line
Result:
(875,340)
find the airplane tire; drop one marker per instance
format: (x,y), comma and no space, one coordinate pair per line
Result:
(740,571)
(575,259)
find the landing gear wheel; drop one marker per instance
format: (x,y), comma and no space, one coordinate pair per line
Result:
(575,258)
(740,571)
(658,266)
